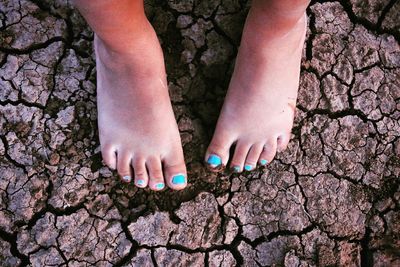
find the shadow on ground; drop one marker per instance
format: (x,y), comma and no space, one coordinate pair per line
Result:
(332,198)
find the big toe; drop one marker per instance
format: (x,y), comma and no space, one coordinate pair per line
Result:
(217,154)
(175,171)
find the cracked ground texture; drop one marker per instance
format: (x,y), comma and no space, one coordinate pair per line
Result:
(331,199)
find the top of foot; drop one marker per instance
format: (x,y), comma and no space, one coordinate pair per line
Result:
(138,133)
(258,111)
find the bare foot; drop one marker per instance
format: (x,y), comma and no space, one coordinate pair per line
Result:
(138,132)
(258,111)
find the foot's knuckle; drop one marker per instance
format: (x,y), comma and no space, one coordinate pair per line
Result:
(140,173)
(174,165)
(216,148)
(267,154)
(156,174)
(251,162)
(138,161)
(239,158)
(123,172)
(269,150)
(235,163)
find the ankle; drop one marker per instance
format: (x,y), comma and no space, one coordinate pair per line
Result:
(109,54)
(271,37)
(144,60)
(270,25)
(141,45)
(128,38)
(281,10)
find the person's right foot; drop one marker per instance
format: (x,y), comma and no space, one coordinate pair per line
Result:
(138,132)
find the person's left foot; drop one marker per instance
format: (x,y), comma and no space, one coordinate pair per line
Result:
(259,108)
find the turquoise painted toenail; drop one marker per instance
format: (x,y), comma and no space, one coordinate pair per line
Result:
(179,179)
(159,185)
(263,162)
(248,167)
(214,160)
(236,168)
(140,182)
(126,178)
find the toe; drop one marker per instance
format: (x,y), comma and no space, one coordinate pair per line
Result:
(140,172)
(217,154)
(253,156)
(282,142)
(124,166)
(156,178)
(175,171)
(239,157)
(268,152)
(109,156)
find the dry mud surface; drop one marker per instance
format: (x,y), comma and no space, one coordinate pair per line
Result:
(332,198)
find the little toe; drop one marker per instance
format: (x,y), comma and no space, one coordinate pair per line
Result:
(175,172)
(268,152)
(253,156)
(282,142)
(239,157)
(217,154)
(109,156)
(156,177)
(263,162)
(124,166)
(140,172)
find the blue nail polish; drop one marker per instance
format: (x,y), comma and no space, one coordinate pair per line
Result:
(263,162)
(214,160)
(126,178)
(179,179)
(236,168)
(248,167)
(140,182)
(159,186)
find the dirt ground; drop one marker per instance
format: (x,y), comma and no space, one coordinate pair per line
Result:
(332,198)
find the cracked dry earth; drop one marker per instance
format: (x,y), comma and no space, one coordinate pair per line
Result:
(332,198)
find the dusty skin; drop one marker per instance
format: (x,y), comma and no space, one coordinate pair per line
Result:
(331,198)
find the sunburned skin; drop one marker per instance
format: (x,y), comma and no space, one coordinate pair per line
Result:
(258,112)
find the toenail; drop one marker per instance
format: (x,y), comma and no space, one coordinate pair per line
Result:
(179,179)
(263,162)
(236,169)
(159,186)
(248,167)
(140,182)
(214,160)
(126,178)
